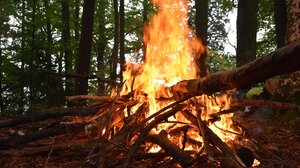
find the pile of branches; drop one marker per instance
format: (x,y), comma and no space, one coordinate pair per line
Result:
(103,132)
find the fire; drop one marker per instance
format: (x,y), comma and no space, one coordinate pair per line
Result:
(170,57)
(170,51)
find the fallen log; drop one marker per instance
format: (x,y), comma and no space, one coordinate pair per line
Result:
(266,103)
(282,61)
(16,141)
(44,150)
(55,113)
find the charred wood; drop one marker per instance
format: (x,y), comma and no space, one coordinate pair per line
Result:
(171,149)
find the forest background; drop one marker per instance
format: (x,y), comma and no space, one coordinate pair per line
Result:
(51,49)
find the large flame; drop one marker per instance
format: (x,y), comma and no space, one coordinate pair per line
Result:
(170,57)
(170,51)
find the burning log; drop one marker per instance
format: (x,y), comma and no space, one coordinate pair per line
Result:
(171,149)
(147,129)
(281,61)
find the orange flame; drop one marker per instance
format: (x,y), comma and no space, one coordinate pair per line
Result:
(170,52)
(170,57)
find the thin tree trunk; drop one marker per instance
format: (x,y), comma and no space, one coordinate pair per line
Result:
(33,54)
(101,48)
(122,38)
(201,32)
(114,56)
(66,43)
(83,62)
(49,37)
(145,19)
(22,83)
(76,20)
(1,98)
(280,14)
(52,89)
(246,31)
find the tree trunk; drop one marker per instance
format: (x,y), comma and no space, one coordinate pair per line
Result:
(22,82)
(1,99)
(201,31)
(66,44)
(32,56)
(289,85)
(280,15)
(52,84)
(293,25)
(145,19)
(246,31)
(102,42)
(49,37)
(122,39)
(114,56)
(83,62)
(76,20)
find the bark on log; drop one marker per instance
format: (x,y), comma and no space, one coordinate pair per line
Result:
(281,61)
(44,150)
(56,113)
(16,141)
(266,103)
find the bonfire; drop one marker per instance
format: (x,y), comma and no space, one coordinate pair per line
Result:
(162,115)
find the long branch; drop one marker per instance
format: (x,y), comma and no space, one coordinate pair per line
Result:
(282,61)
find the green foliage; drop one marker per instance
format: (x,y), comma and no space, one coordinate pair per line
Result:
(220,62)
(266,28)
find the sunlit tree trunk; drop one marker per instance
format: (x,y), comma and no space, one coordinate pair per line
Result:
(246,31)
(102,42)
(114,56)
(280,15)
(85,46)
(66,44)
(122,38)
(293,25)
(201,31)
